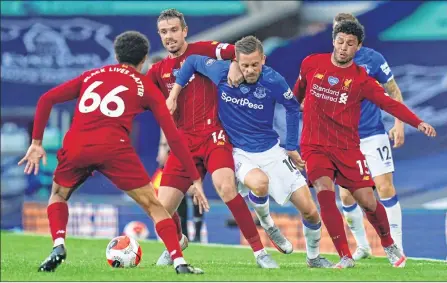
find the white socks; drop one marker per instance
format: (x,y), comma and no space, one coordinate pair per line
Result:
(312,235)
(394,213)
(59,241)
(354,217)
(178,261)
(261,206)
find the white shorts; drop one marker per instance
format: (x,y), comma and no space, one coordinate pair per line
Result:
(377,151)
(284,178)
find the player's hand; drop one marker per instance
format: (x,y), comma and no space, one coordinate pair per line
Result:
(427,129)
(235,76)
(199,198)
(171,103)
(397,134)
(296,159)
(32,158)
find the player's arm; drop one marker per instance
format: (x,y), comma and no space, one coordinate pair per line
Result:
(384,75)
(373,91)
(285,96)
(217,50)
(209,67)
(301,83)
(64,92)
(223,51)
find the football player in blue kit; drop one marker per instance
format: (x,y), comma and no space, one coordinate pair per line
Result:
(375,145)
(263,168)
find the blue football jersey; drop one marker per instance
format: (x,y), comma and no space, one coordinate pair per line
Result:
(246,112)
(370,116)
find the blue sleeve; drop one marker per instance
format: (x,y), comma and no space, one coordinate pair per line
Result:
(381,71)
(209,67)
(284,95)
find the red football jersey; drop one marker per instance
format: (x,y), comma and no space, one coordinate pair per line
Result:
(196,108)
(108,99)
(333,96)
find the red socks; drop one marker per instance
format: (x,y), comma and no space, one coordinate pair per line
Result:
(333,221)
(243,218)
(379,221)
(167,231)
(58,218)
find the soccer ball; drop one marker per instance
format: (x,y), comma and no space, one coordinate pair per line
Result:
(137,230)
(123,251)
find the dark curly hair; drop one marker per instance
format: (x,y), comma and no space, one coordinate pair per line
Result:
(131,47)
(350,27)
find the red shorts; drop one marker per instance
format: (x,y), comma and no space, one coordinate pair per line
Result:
(120,164)
(347,167)
(210,151)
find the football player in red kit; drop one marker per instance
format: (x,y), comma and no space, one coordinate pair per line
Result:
(334,87)
(108,99)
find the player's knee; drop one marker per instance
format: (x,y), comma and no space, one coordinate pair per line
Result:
(227,191)
(311,215)
(59,193)
(346,198)
(385,189)
(367,202)
(258,182)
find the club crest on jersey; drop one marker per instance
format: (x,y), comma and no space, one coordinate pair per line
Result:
(259,92)
(244,89)
(332,80)
(346,84)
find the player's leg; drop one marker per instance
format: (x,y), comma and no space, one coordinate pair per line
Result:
(376,215)
(164,225)
(182,212)
(320,171)
(354,217)
(127,172)
(67,177)
(198,222)
(302,200)
(354,175)
(220,163)
(377,151)
(389,199)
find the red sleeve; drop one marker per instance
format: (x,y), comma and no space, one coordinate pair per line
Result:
(152,73)
(216,50)
(155,101)
(64,92)
(300,86)
(373,91)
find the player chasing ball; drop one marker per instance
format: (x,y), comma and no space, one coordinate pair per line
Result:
(334,88)
(108,99)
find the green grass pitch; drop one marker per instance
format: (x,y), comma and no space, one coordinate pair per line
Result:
(21,256)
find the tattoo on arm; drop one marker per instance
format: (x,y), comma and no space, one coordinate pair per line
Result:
(393,90)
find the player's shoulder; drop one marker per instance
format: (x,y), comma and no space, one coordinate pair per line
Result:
(374,55)
(316,59)
(271,76)
(198,46)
